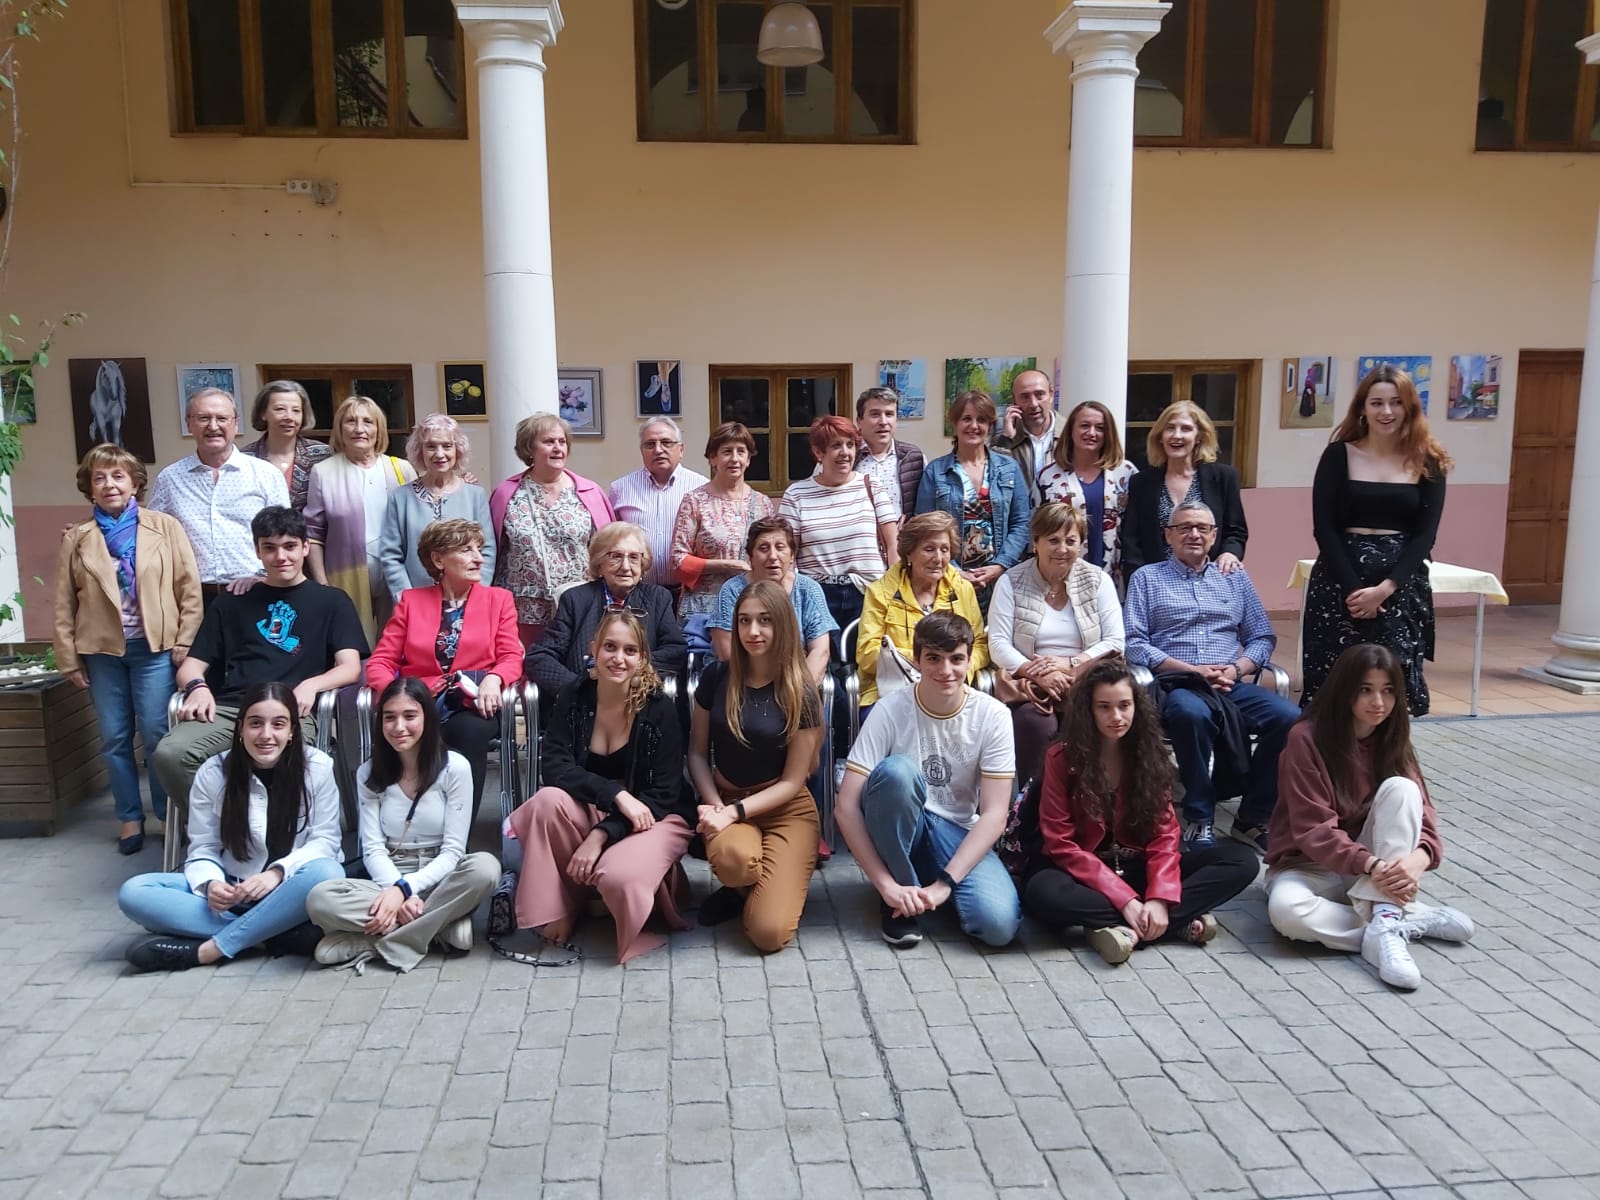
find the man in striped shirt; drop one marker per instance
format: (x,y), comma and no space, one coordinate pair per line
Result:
(649,497)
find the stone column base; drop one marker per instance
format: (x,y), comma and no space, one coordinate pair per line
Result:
(1578,687)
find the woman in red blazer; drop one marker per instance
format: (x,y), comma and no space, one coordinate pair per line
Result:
(459,637)
(1106,853)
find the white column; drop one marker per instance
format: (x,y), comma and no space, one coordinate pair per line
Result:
(1575,666)
(510,37)
(1103,39)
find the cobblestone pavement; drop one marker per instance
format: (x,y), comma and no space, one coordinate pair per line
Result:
(841,1067)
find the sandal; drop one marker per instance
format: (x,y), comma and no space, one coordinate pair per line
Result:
(1207,931)
(1114,943)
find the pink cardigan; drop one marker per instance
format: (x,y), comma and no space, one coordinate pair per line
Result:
(590,494)
(489,640)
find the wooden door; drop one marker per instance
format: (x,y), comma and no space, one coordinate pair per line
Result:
(1542,444)
(777,404)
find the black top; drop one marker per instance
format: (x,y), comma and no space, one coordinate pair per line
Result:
(651,764)
(1339,503)
(763,722)
(275,635)
(560,656)
(1143,540)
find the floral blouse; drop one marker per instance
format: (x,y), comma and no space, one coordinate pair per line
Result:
(1057,485)
(711,526)
(546,548)
(307,454)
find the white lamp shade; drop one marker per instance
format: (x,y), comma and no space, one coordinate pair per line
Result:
(790,37)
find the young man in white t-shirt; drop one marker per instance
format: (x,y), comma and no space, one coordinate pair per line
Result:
(926,791)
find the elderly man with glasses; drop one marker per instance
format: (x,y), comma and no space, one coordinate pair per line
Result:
(1203,632)
(650,496)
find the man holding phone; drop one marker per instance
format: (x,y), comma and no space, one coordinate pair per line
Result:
(1030,427)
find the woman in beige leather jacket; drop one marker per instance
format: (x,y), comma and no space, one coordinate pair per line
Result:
(127,607)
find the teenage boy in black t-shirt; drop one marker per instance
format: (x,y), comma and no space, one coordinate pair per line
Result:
(287,629)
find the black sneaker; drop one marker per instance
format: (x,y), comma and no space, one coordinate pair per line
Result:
(165,952)
(900,932)
(722,905)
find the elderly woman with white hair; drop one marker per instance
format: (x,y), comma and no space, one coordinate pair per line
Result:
(619,556)
(442,490)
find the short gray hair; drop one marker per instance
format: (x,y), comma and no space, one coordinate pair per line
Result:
(442,423)
(654,421)
(1195,506)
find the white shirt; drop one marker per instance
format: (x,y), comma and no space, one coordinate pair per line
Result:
(884,471)
(215,508)
(1058,633)
(208,861)
(440,822)
(640,500)
(375,501)
(954,753)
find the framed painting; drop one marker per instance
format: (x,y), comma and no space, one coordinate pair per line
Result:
(581,400)
(111,403)
(193,377)
(464,390)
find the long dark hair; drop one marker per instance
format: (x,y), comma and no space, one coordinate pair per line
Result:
(1333,723)
(387,768)
(1147,771)
(288,801)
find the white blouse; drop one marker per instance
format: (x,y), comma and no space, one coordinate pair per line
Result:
(440,821)
(208,861)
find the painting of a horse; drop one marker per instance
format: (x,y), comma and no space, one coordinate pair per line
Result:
(111,403)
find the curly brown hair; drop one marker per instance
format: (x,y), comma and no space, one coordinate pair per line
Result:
(1148,775)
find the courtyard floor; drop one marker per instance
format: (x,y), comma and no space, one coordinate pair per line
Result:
(840,1067)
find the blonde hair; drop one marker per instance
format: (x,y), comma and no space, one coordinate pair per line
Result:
(791,682)
(644,682)
(1205,438)
(348,405)
(611,535)
(443,423)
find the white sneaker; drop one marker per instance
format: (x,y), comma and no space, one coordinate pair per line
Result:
(457,934)
(1444,924)
(1384,945)
(336,949)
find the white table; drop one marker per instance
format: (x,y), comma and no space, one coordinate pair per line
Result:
(1445,577)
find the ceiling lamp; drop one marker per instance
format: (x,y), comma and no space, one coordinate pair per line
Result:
(790,36)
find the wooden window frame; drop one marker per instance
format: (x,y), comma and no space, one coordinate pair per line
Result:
(251,81)
(1588,81)
(1245,405)
(706,29)
(778,436)
(342,377)
(1261,96)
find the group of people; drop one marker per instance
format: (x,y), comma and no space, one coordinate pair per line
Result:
(1031,616)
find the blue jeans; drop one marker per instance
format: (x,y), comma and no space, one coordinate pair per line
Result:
(163,903)
(132,686)
(916,845)
(1190,726)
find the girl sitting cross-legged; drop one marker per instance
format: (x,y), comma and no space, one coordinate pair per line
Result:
(263,831)
(416,812)
(1106,853)
(1353,831)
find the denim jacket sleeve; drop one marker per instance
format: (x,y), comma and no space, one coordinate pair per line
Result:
(1012,511)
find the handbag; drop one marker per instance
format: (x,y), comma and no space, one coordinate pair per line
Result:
(503,924)
(895,670)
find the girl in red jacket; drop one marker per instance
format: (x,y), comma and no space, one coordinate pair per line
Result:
(1107,855)
(1353,830)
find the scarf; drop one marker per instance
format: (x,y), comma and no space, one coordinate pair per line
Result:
(122,536)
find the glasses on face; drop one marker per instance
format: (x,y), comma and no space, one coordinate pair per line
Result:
(623,558)
(1193,527)
(208,421)
(661,444)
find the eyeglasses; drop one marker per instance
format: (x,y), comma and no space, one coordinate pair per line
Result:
(660,444)
(619,558)
(1193,527)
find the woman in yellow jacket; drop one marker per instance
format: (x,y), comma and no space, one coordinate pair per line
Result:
(923,581)
(127,608)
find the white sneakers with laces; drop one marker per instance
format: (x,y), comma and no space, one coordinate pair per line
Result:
(1443,924)
(1385,945)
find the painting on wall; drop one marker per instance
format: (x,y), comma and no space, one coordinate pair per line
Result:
(580,400)
(194,377)
(465,389)
(909,378)
(17,405)
(1418,366)
(660,388)
(111,403)
(1474,387)
(992,375)
(1308,393)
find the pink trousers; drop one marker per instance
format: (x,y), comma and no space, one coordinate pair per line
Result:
(636,876)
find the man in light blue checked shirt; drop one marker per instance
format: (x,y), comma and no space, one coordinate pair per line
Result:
(1185,615)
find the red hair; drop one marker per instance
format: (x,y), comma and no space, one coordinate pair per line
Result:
(1422,452)
(825,431)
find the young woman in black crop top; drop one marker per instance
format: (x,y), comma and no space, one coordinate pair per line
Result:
(753,740)
(1375,507)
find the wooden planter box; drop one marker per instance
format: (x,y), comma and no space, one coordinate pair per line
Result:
(49,751)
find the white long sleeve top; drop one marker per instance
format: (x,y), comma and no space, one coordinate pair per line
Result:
(441,822)
(209,861)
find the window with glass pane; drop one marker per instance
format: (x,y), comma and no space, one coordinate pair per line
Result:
(330,385)
(713,44)
(368,68)
(1534,91)
(1222,390)
(777,405)
(1234,73)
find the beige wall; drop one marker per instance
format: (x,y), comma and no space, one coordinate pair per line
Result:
(1400,240)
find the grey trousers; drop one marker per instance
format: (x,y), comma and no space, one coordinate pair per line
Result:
(189,743)
(340,905)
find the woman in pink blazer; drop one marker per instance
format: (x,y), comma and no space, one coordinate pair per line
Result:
(458,637)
